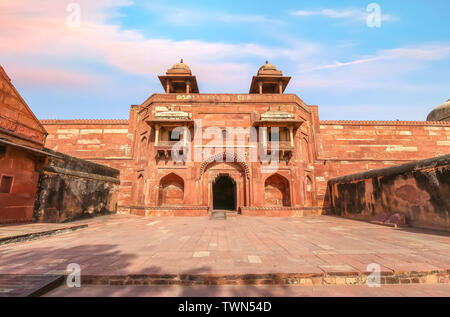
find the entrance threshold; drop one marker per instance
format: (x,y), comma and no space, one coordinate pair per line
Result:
(218,215)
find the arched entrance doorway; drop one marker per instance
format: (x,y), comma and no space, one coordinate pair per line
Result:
(224,193)
(228,165)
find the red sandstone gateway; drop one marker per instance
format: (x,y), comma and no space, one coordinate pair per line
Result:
(308,154)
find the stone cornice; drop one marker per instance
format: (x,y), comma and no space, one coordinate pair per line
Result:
(387,123)
(85,121)
(221,99)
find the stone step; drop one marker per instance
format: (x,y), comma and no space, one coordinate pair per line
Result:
(315,278)
(14,285)
(218,215)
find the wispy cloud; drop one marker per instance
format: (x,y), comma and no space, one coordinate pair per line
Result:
(385,70)
(354,14)
(398,55)
(187,16)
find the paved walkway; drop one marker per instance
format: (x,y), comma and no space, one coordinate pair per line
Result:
(423,290)
(29,231)
(122,244)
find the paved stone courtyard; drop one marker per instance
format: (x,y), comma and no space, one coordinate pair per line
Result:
(122,245)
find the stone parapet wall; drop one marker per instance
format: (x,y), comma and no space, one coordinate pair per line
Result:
(383,140)
(90,139)
(420,190)
(223,98)
(70,188)
(348,147)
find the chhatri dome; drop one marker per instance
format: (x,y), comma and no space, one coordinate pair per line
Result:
(267,67)
(179,79)
(441,113)
(180,67)
(269,80)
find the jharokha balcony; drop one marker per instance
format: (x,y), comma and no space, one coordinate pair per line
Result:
(281,126)
(164,148)
(284,148)
(164,122)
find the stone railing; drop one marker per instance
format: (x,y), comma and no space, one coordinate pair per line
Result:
(166,144)
(282,145)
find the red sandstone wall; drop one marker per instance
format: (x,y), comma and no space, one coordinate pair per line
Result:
(91,140)
(106,142)
(348,147)
(18,204)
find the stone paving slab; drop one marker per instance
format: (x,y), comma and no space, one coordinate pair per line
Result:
(422,290)
(125,249)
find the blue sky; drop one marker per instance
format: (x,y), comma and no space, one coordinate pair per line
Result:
(353,72)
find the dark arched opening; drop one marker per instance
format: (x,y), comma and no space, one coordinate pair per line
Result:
(224,194)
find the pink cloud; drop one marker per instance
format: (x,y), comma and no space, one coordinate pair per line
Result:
(38,34)
(38,76)
(41,30)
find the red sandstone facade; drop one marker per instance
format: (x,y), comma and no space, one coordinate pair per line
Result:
(310,151)
(22,139)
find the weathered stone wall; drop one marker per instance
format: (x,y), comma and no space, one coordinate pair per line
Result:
(420,190)
(70,188)
(348,147)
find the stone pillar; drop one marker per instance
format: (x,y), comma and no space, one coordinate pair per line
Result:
(264,136)
(260,85)
(248,190)
(188,87)
(238,196)
(280,87)
(156,135)
(185,136)
(291,135)
(167,86)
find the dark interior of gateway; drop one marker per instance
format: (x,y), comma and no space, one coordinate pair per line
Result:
(224,194)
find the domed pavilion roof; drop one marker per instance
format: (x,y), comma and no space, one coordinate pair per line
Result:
(269,70)
(441,113)
(180,68)
(267,67)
